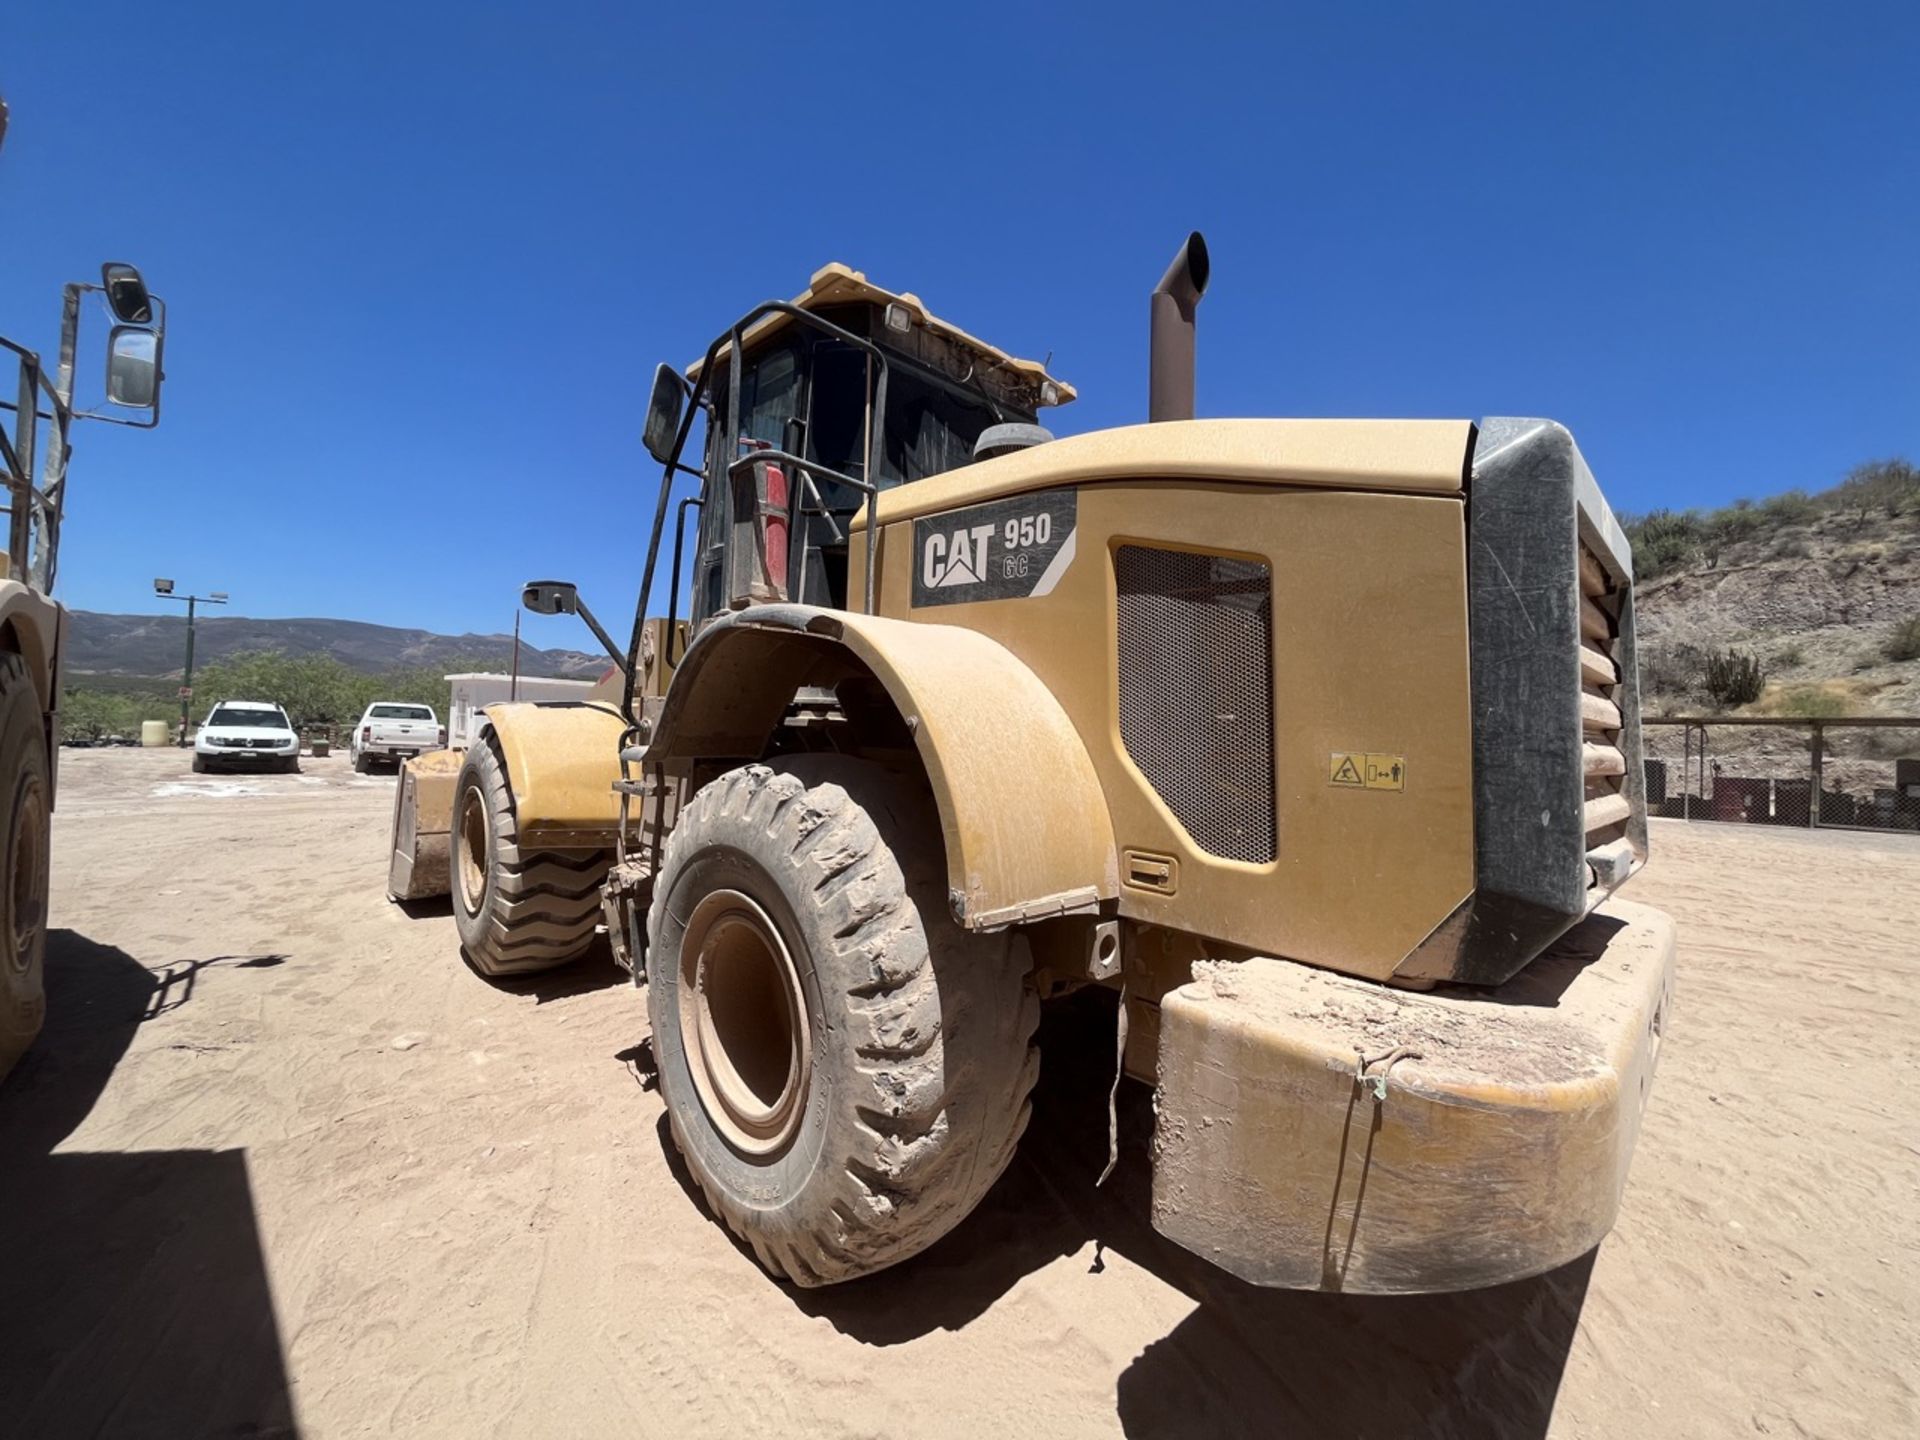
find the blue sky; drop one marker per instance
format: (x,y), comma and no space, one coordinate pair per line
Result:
(422,257)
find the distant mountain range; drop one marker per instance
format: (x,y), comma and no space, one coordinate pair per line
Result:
(130,647)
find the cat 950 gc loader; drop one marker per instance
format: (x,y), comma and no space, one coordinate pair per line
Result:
(1318,740)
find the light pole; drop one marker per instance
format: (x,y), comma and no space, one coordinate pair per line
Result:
(164,589)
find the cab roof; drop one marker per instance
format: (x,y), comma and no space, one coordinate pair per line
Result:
(837,284)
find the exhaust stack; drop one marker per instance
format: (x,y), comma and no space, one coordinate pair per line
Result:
(1170,373)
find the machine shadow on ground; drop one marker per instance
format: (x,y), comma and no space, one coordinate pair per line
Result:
(595,970)
(1246,1360)
(136,1299)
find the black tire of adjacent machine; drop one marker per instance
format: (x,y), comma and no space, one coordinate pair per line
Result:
(846,1070)
(515,913)
(26,793)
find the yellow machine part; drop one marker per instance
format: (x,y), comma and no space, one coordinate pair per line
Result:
(1315,1131)
(1362,530)
(422,821)
(1023,821)
(562,760)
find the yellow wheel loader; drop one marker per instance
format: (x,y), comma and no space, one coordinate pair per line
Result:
(1317,740)
(32,622)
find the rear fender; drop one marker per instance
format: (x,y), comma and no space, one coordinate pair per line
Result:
(1022,814)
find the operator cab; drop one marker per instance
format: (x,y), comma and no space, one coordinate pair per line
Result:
(866,389)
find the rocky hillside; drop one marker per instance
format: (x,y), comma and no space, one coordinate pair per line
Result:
(1826,601)
(1823,592)
(106,648)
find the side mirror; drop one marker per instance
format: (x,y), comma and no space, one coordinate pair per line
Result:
(133,367)
(127,293)
(663,414)
(551,597)
(562,597)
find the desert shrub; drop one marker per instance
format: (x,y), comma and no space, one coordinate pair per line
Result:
(1671,669)
(1904,642)
(1795,549)
(1810,701)
(1739,521)
(87,714)
(1891,487)
(1790,507)
(1664,540)
(1790,657)
(1734,677)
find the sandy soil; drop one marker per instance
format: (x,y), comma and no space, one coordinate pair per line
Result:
(283,1164)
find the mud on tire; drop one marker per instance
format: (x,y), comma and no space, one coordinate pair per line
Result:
(516,912)
(913,1051)
(26,802)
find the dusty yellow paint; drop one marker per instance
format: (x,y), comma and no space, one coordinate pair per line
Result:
(1020,801)
(1488,1140)
(422,825)
(1426,457)
(562,761)
(1023,820)
(1406,689)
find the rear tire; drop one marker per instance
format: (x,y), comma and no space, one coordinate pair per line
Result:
(846,1071)
(517,912)
(26,805)
(360,765)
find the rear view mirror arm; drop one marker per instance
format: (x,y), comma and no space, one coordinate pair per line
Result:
(600,634)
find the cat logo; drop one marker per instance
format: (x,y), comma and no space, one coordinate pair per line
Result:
(959,558)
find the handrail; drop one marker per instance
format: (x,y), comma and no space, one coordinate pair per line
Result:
(876,406)
(733,338)
(808,469)
(673,583)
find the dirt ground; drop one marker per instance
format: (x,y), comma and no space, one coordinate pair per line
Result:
(282,1164)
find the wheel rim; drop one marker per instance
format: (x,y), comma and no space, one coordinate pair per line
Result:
(743,1023)
(27,907)
(473,849)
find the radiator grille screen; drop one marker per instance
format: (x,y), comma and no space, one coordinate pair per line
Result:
(1196,691)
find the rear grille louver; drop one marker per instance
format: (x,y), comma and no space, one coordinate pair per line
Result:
(1195,647)
(1604,762)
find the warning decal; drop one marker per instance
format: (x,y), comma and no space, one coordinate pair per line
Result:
(1367,770)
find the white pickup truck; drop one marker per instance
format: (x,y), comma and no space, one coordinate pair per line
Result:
(393,730)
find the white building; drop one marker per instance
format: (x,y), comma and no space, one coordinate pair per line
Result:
(472,693)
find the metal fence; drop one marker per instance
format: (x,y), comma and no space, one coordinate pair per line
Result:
(1852,773)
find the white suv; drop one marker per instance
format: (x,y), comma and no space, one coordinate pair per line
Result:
(246,734)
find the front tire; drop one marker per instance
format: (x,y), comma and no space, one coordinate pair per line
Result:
(26,806)
(846,1071)
(199,764)
(516,912)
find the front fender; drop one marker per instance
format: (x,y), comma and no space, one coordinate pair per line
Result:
(1022,814)
(562,760)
